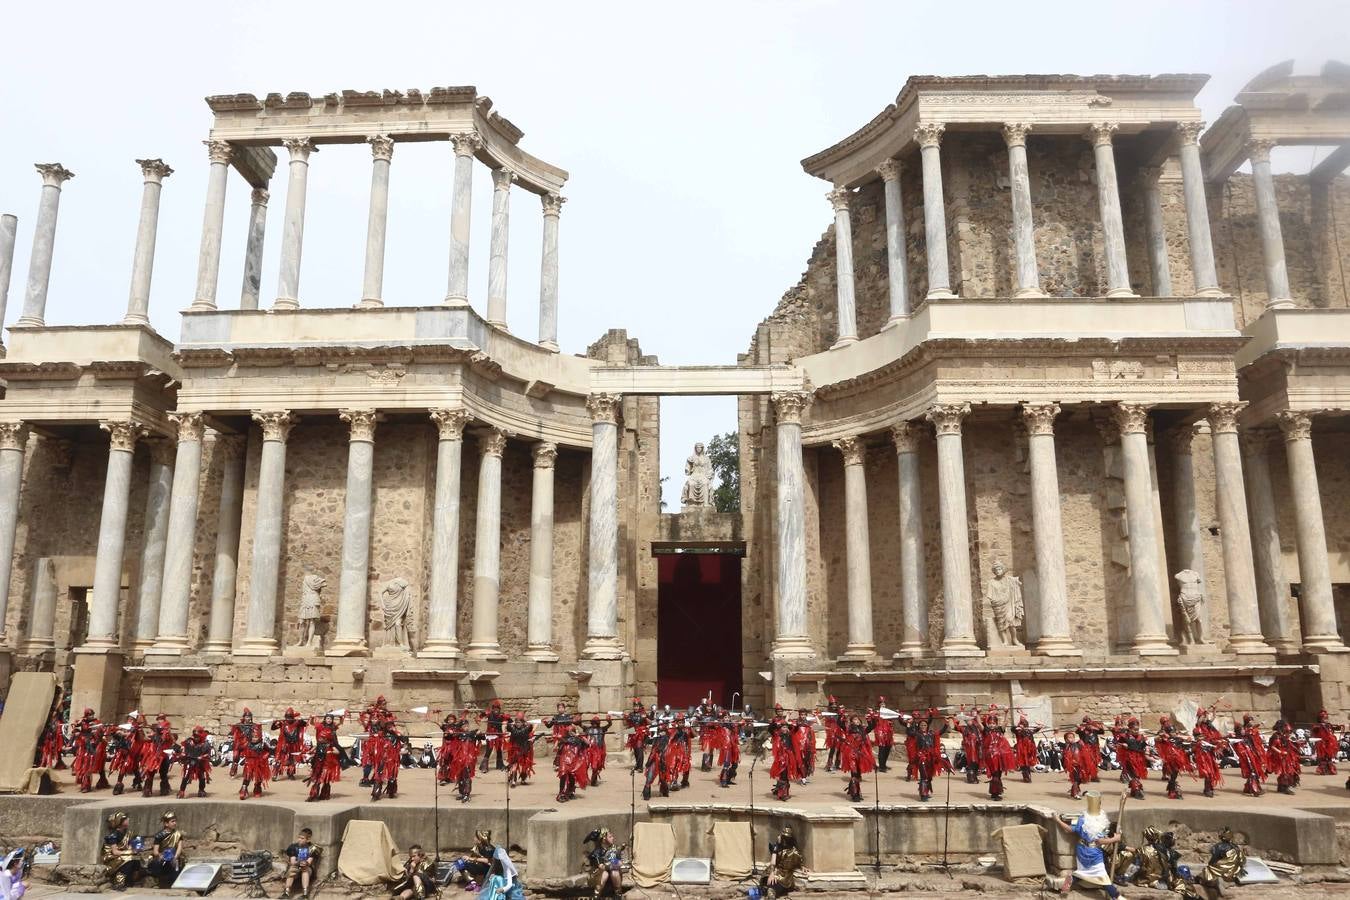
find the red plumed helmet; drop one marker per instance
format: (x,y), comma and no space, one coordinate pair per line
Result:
(247,711)
(1132,722)
(290,713)
(88,713)
(1323,715)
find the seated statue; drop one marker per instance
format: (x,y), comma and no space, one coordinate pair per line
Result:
(698,482)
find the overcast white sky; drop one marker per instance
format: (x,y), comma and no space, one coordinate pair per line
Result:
(681,125)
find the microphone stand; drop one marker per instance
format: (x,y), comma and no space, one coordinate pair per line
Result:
(946,818)
(507,782)
(876,819)
(757,750)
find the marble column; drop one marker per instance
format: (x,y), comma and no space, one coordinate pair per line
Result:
(1108,202)
(497,246)
(461,205)
(1190,545)
(9,227)
(913,575)
(958,621)
(858,548)
(843,268)
(213,224)
(443,608)
(260,629)
(154,171)
(929,136)
(1272,586)
(353,611)
(548,273)
(112,535)
(896,255)
(187,473)
(1047,531)
(156,534)
(1159,266)
(539,622)
(13,438)
(1023,227)
(1230,496)
(42,624)
(381,152)
(232,451)
(253,249)
(487,549)
(1150,608)
(1278,295)
(602,609)
(791,640)
(1316,606)
(44,242)
(293,226)
(1197,213)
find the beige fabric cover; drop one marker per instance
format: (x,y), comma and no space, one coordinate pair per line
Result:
(653,853)
(368,852)
(26,709)
(732,849)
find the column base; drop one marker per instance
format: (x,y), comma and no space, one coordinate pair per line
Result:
(199,303)
(793,647)
(541,653)
(910,651)
(1273,303)
(1056,646)
(1120,292)
(895,320)
(1249,644)
(285,303)
(35,648)
(603,647)
(174,646)
(941,294)
(499,324)
(551,346)
(140,645)
(958,647)
(257,647)
(844,342)
(489,650)
(1210,293)
(456,300)
(35,322)
(217,647)
(370,303)
(347,647)
(440,648)
(858,653)
(131,319)
(1029,293)
(1324,643)
(1153,645)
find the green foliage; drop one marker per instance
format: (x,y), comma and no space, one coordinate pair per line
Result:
(725,452)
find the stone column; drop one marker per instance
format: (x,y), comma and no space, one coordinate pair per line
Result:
(13,437)
(260,631)
(443,611)
(791,639)
(602,610)
(154,171)
(1272,587)
(548,273)
(896,261)
(293,226)
(382,152)
(44,242)
(913,577)
(461,205)
(42,625)
(857,543)
(1197,213)
(1320,631)
(112,535)
(1159,266)
(220,630)
(929,136)
(253,250)
(213,225)
(1239,572)
(1048,532)
(958,621)
(1150,610)
(187,472)
(353,610)
(1108,202)
(539,624)
(487,549)
(157,500)
(1024,231)
(843,268)
(9,227)
(1278,295)
(497,245)
(1190,546)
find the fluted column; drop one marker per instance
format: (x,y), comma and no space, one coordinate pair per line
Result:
(253,249)
(232,451)
(929,136)
(1278,295)
(843,268)
(602,610)
(1197,213)
(1316,606)
(1272,586)
(461,205)
(487,549)
(42,624)
(44,242)
(213,225)
(112,535)
(1023,227)
(1230,496)
(497,246)
(1190,546)
(443,612)
(293,226)
(187,472)
(260,631)
(896,261)
(913,577)
(1108,203)
(539,621)
(1159,266)
(382,153)
(1048,531)
(154,171)
(548,273)
(857,544)
(791,638)
(13,438)
(354,586)
(9,228)
(156,534)
(958,621)
(1150,636)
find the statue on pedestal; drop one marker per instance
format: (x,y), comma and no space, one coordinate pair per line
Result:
(1003,595)
(309,610)
(395,604)
(698,482)
(1191,601)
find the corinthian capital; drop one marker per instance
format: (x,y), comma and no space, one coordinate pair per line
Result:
(450,423)
(381,146)
(276,426)
(299,148)
(494,442)
(1223,417)
(218,151)
(1099,133)
(260,196)
(1040,418)
(839,199)
(552,203)
(191,426)
(929,134)
(946,417)
(362,422)
(53,174)
(1258,149)
(790,405)
(907,436)
(1131,418)
(1189,132)
(13,435)
(154,170)
(123,435)
(466,143)
(889,170)
(855,452)
(1297,426)
(502,179)
(1015,133)
(604,407)
(545,454)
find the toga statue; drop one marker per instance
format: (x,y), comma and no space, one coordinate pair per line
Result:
(309,610)
(1191,600)
(1003,595)
(698,482)
(395,604)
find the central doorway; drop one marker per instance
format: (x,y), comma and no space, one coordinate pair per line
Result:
(698,631)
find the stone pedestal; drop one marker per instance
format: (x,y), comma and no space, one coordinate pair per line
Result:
(97,677)
(605,689)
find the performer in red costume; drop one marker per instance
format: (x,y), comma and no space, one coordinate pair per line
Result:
(90,752)
(255,767)
(1284,758)
(637,722)
(573,765)
(155,747)
(496,719)
(1090,733)
(594,735)
(855,755)
(804,745)
(997,754)
(519,750)
(52,743)
(1132,752)
(972,744)
(833,719)
(376,714)
(1024,746)
(926,757)
(1171,749)
(382,748)
(883,735)
(1207,743)
(196,761)
(1078,764)
(786,766)
(1251,754)
(325,766)
(1327,743)
(125,755)
(730,757)
(240,733)
(290,744)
